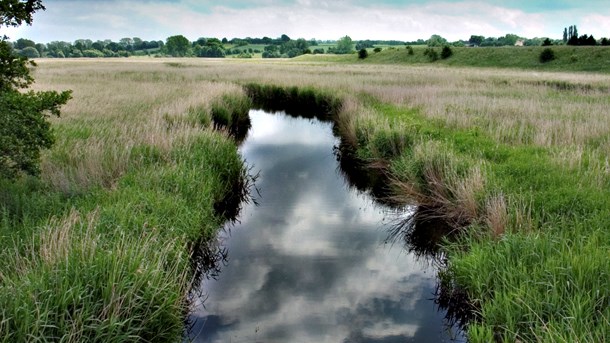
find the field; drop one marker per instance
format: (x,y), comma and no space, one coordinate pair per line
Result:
(568,58)
(515,159)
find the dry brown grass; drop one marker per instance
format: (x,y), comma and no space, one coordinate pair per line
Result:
(115,107)
(128,102)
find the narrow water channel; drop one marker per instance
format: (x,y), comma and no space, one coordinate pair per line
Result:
(310,262)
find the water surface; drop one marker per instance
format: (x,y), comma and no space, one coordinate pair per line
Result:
(310,262)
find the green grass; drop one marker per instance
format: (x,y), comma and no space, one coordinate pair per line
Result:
(113,265)
(533,255)
(568,58)
(545,281)
(537,267)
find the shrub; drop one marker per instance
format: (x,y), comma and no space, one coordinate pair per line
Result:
(447,52)
(376,50)
(409,50)
(362,54)
(547,55)
(432,54)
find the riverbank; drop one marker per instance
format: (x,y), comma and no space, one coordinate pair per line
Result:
(100,248)
(532,254)
(516,160)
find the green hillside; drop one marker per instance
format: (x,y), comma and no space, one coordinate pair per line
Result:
(568,58)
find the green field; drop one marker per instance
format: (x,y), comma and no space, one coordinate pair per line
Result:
(568,58)
(514,156)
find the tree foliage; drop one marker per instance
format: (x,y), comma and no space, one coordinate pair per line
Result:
(178,46)
(345,45)
(23,114)
(16,12)
(436,40)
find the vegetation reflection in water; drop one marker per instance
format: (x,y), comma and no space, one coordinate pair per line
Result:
(310,262)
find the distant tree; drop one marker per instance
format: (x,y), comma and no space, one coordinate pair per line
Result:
(41,48)
(509,40)
(362,54)
(126,43)
(476,40)
(547,42)
(436,40)
(137,41)
(572,35)
(99,45)
(23,114)
(364,44)
(345,45)
(22,43)
(565,35)
(605,41)
(284,38)
(113,46)
(29,52)
(177,46)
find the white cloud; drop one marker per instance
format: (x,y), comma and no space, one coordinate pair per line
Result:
(69,20)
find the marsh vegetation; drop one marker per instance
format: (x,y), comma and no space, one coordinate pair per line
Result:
(515,160)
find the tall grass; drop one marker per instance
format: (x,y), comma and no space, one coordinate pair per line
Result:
(100,248)
(517,159)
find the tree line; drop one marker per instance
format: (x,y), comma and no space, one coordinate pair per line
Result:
(571,37)
(283,46)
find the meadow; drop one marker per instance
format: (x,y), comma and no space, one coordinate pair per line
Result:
(515,159)
(567,58)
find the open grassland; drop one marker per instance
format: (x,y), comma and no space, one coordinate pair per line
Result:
(567,58)
(517,160)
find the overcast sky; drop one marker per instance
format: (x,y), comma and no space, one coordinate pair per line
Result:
(408,20)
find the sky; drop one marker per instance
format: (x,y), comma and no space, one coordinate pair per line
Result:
(405,20)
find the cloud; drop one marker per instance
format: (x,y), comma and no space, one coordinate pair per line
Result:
(309,264)
(402,20)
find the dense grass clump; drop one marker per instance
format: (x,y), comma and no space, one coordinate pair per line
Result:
(117,267)
(231,112)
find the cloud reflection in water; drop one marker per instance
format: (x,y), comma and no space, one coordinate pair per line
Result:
(309,263)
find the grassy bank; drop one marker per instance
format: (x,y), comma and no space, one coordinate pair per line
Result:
(533,256)
(516,160)
(568,58)
(100,248)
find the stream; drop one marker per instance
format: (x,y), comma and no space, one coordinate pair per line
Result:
(310,261)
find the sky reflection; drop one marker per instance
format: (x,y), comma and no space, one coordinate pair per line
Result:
(309,263)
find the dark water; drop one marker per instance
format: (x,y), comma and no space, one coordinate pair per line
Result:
(310,262)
